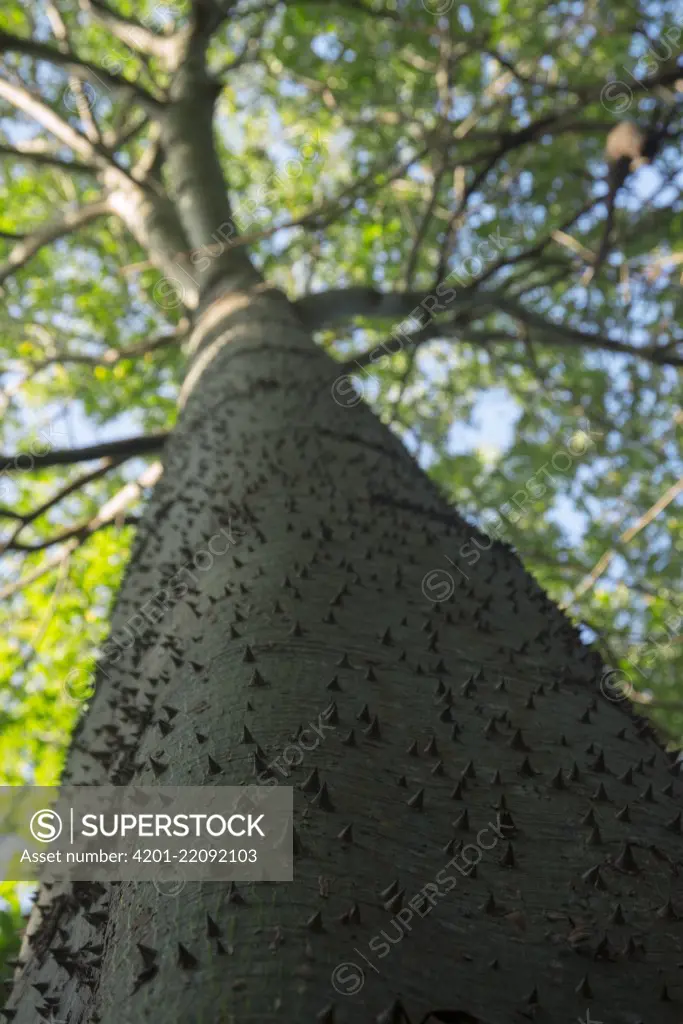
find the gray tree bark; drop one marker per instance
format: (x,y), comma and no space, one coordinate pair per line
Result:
(470,730)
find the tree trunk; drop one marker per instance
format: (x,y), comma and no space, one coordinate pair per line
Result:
(475,719)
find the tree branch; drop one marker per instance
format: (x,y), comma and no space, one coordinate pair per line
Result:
(410,343)
(34,107)
(78,532)
(81,69)
(96,155)
(326,213)
(448,331)
(33,156)
(63,492)
(337,306)
(32,243)
(24,520)
(77,87)
(247,54)
(340,305)
(126,448)
(603,562)
(565,334)
(134,34)
(109,514)
(114,355)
